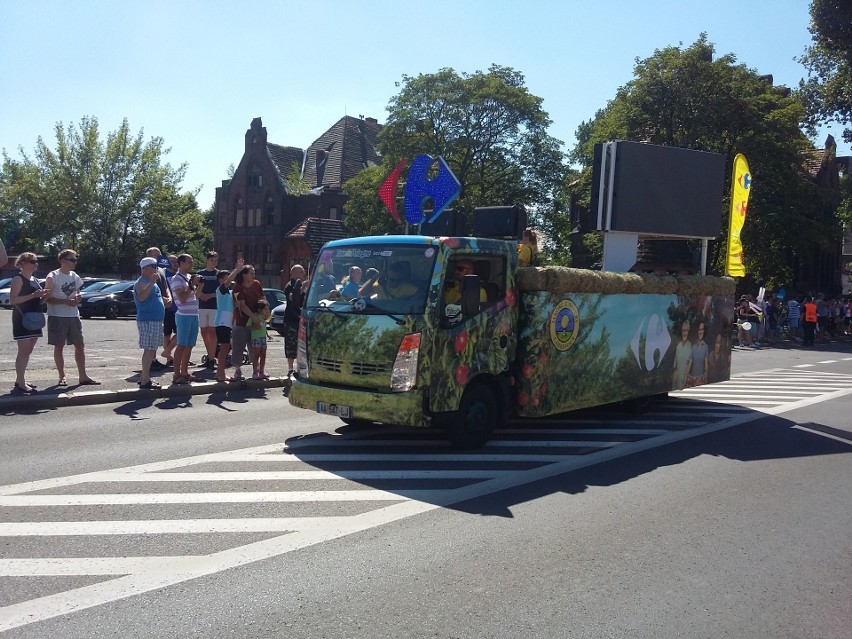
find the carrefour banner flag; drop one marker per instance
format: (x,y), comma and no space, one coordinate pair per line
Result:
(740,189)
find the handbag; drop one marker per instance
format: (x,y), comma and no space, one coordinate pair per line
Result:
(33,321)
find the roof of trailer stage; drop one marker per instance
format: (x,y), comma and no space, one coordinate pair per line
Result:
(472,243)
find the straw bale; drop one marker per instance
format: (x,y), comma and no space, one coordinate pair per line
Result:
(560,280)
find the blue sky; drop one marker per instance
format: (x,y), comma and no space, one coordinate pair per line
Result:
(197,72)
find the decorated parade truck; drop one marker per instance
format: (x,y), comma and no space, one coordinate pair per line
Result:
(447,332)
(440,330)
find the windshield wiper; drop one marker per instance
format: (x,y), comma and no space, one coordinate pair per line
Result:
(361,303)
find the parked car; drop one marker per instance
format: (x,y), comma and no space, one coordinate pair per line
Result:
(5,293)
(275,296)
(112,302)
(96,287)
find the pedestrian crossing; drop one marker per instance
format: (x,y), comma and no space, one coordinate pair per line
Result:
(771,391)
(145,527)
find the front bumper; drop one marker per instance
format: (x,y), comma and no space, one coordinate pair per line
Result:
(403,409)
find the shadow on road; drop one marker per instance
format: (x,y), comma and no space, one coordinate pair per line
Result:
(766,437)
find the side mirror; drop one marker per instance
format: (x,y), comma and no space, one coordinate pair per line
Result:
(470,295)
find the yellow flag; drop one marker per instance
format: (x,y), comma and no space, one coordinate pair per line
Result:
(740,189)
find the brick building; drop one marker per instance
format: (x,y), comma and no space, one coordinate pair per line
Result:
(259,219)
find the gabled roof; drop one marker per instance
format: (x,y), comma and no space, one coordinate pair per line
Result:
(284,157)
(336,156)
(342,152)
(317,231)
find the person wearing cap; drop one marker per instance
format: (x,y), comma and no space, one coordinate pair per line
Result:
(162,283)
(150,310)
(63,317)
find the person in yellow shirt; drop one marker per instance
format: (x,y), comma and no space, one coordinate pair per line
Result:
(527,248)
(453,295)
(395,287)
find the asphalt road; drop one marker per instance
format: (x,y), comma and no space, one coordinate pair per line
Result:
(722,514)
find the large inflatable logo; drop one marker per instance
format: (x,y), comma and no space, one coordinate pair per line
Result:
(441,189)
(564,325)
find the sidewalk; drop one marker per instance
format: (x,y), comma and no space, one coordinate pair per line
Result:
(115,388)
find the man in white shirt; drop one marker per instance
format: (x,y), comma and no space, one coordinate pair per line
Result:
(63,317)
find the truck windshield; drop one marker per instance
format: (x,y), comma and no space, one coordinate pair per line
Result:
(392,278)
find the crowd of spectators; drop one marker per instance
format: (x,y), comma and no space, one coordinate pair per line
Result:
(798,319)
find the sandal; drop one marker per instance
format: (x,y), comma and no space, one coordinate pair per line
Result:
(26,391)
(149,385)
(180,381)
(89,382)
(62,382)
(237,377)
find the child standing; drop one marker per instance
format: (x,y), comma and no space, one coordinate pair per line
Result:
(257,324)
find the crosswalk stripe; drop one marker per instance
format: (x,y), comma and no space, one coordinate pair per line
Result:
(166,526)
(117,499)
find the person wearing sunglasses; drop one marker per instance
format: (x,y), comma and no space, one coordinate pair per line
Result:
(453,294)
(63,316)
(25,296)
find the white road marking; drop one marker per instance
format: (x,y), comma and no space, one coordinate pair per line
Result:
(119,499)
(804,365)
(164,526)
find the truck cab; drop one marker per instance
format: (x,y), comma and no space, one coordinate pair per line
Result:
(428,339)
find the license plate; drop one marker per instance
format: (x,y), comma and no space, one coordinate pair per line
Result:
(337,410)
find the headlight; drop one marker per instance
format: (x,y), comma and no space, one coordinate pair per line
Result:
(404,376)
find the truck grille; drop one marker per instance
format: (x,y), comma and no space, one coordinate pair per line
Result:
(355,368)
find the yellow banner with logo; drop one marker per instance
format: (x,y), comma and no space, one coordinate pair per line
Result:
(740,189)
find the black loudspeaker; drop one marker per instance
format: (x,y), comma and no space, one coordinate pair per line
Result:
(500,222)
(451,223)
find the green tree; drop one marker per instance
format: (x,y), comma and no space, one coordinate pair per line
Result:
(295,182)
(828,89)
(488,127)
(691,99)
(87,193)
(365,212)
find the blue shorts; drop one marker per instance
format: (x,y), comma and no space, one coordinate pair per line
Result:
(187,329)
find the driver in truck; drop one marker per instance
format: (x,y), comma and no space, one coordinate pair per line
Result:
(395,286)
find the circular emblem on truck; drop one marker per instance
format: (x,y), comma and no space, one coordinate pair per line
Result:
(564,325)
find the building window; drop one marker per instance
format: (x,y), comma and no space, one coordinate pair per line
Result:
(240,218)
(270,212)
(332,213)
(267,254)
(255,178)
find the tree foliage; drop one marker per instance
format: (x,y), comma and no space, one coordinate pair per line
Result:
(828,89)
(365,212)
(106,198)
(488,127)
(685,97)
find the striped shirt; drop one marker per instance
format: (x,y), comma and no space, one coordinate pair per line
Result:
(190,306)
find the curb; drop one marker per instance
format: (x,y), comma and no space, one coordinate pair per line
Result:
(89,398)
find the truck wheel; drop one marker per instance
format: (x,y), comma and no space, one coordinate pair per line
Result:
(112,311)
(472,425)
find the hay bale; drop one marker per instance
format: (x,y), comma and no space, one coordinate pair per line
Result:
(560,280)
(659,284)
(531,278)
